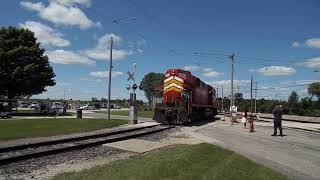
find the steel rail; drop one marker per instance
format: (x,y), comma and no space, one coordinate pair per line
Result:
(65,140)
(141,132)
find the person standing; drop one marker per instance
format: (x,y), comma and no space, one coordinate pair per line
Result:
(277,113)
(244,119)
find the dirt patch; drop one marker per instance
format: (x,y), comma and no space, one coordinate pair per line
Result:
(179,137)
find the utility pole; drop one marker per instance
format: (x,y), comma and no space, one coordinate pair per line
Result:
(255,97)
(110,70)
(251,102)
(222,99)
(232,69)
(217,97)
(233,110)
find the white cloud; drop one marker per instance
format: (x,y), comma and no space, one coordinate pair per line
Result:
(141,42)
(102,49)
(91,80)
(68,57)
(140,50)
(312,63)
(105,41)
(63,84)
(295,44)
(287,82)
(191,68)
(61,14)
(302,82)
(209,72)
(313,42)
(228,82)
(86,3)
(32,6)
(276,71)
(46,35)
(117,54)
(105,74)
(252,70)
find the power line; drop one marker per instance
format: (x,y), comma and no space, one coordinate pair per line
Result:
(211,54)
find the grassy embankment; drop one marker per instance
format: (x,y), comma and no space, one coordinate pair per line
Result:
(203,161)
(14,129)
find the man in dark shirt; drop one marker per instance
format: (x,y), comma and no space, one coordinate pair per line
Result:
(277,113)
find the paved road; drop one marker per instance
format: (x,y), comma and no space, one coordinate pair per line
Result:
(296,155)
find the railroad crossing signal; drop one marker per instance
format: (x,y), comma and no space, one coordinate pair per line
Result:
(131,76)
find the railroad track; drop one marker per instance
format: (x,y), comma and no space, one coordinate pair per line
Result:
(33,150)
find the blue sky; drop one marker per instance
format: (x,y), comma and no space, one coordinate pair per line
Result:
(278,42)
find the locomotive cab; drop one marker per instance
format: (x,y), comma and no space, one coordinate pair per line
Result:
(185,98)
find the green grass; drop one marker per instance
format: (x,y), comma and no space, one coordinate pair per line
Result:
(14,129)
(145,114)
(183,162)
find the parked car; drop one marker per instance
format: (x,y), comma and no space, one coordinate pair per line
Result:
(5,110)
(34,105)
(56,107)
(24,105)
(87,107)
(5,114)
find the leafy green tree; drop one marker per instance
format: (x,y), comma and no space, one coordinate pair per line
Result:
(314,90)
(306,103)
(149,82)
(103,99)
(293,99)
(94,99)
(24,69)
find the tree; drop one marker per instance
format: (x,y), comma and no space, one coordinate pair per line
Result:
(238,97)
(306,103)
(314,90)
(24,69)
(149,82)
(293,99)
(94,99)
(103,99)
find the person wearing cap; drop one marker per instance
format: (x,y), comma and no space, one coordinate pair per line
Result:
(277,113)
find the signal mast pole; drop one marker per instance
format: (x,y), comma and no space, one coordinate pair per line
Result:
(232,70)
(255,98)
(251,102)
(110,70)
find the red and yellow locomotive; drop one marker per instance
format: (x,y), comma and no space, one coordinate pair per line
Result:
(185,98)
